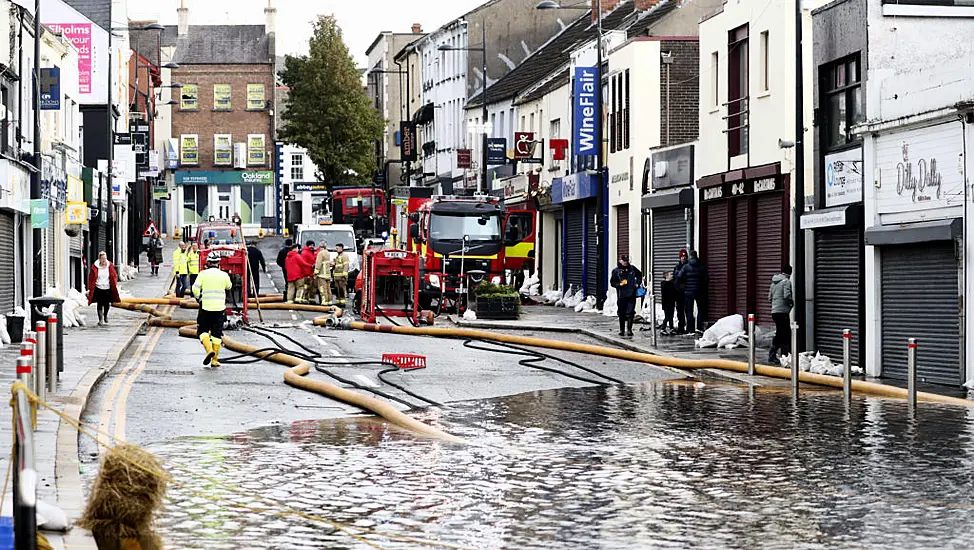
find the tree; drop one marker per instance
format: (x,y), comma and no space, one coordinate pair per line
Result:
(327,111)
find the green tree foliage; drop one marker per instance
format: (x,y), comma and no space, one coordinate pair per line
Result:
(327,111)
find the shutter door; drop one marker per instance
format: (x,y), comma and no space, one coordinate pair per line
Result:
(838,255)
(770,243)
(622,230)
(102,241)
(574,233)
(7,267)
(49,273)
(715,257)
(920,300)
(591,251)
(741,242)
(77,244)
(669,236)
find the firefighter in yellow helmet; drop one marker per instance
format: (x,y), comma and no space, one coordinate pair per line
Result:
(211,290)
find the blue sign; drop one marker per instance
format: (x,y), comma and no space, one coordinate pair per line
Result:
(585,115)
(50,89)
(580,185)
(497,151)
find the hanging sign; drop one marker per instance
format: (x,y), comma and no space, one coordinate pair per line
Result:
(39,214)
(843,177)
(76,213)
(50,89)
(497,151)
(585,119)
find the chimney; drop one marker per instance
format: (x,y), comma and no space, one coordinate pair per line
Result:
(183,14)
(646,4)
(607,6)
(417,28)
(270,17)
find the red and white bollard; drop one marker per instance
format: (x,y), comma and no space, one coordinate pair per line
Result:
(52,366)
(750,345)
(40,360)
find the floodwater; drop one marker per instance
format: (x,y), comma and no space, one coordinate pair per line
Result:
(662,465)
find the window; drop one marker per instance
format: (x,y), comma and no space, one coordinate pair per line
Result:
(222,95)
(256,155)
(613,114)
(765,65)
(520,226)
(714,81)
(252,202)
(195,203)
(255,97)
(625,113)
(189,97)
(841,100)
(223,149)
(189,151)
(297,167)
(737,100)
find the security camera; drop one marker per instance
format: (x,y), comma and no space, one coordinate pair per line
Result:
(785,144)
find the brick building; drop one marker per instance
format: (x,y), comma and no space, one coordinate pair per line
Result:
(223,126)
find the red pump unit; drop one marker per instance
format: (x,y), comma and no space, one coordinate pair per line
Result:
(390,263)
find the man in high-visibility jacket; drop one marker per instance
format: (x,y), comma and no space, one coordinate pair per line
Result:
(211,290)
(180,266)
(340,273)
(193,263)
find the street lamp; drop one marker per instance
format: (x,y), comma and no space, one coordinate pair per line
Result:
(601,220)
(483,112)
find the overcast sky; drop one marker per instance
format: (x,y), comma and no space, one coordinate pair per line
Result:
(361,20)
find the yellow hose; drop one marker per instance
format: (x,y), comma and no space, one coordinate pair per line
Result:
(141,304)
(141,308)
(871,388)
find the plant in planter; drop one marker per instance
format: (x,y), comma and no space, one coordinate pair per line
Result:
(496,301)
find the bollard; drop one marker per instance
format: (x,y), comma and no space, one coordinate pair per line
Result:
(652,309)
(40,360)
(52,366)
(794,357)
(911,372)
(31,337)
(24,474)
(750,344)
(27,370)
(847,361)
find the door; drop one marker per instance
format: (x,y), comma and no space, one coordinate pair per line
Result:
(574,249)
(770,245)
(838,291)
(591,250)
(622,231)
(715,256)
(559,248)
(919,299)
(743,251)
(224,202)
(669,235)
(8,263)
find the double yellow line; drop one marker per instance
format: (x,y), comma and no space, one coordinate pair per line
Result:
(116,400)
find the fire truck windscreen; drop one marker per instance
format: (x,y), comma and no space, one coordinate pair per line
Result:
(330,237)
(477,227)
(223,236)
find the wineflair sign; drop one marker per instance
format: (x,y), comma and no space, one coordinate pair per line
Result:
(228,177)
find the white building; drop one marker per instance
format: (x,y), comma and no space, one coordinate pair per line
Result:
(297,171)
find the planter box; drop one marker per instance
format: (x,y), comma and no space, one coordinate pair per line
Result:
(497,308)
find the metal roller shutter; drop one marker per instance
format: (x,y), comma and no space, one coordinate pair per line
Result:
(7,266)
(622,231)
(77,245)
(669,236)
(741,241)
(838,256)
(920,300)
(715,257)
(49,273)
(770,242)
(591,251)
(574,252)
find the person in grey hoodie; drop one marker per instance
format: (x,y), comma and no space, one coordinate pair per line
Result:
(782,300)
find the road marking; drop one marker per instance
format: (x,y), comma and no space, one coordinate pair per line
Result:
(294,316)
(335,352)
(366,380)
(120,415)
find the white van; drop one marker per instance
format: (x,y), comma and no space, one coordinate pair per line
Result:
(333,235)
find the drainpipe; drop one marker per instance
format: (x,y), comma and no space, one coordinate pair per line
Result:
(35,178)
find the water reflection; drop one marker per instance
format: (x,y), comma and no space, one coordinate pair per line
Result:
(651,466)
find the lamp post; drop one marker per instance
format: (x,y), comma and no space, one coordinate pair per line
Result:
(483,111)
(601,218)
(385,168)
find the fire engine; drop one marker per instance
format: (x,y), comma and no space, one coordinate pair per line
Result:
(361,207)
(226,239)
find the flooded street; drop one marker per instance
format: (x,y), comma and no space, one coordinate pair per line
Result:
(656,465)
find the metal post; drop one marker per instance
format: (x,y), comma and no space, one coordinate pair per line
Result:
(794,357)
(847,362)
(40,359)
(24,474)
(52,366)
(25,371)
(483,187)
(601,217)
(750,344)
(911,373)
(652,314)
(31,337)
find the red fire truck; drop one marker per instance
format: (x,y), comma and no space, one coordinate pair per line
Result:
(363,208)
(226,239)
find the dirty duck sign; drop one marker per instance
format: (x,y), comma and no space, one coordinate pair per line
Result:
(921,172)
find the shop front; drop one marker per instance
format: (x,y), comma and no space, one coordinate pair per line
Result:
(667,209)
(576,195)
(218,195)
(744,239)
(914,252)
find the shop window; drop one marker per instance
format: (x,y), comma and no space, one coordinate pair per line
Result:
(737,94)
(252,202)
(841,101)
(297,167)
(195,203)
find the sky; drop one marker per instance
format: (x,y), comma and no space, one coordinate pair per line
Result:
(361,20)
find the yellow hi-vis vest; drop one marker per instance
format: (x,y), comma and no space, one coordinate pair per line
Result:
(211,287)
(179,262)
(194,261)
(341,266)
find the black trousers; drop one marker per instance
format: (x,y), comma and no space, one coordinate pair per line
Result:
(627,310)
(681,313)
(211,321)
(782,333)
(668,307)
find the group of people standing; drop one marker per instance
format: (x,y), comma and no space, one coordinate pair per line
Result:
(684,291)
(310,273)
(186,265)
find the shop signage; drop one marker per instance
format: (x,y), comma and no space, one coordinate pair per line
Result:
(172,154)
(153,170)
(558,148)
(527,149)
(579,185)
(817,220)
(741,188)
(407,147)
(920,170)
(39,214)
(189,151)
(309,187)
(843,177)
(76,213)
(160,192)
(496,151)
(227,177)
(50,89)
(585,117)
(80,35)
(670,168)
(516,187)
(464,159)
(256,155)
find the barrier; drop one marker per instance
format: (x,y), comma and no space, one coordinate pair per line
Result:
(911,373)
(750,344)
(847,364)
(53,368)
(24,472)
(40,360)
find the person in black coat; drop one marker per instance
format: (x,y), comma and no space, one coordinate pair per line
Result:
(693,276)
(670,295)
(282,257)
(678,289)
(626,278)
(256,259)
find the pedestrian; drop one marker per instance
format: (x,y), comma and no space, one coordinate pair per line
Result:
(693,276)
(626,279)
(155,253)
(211,289)
(681,313)
(340,274)
(193,263)
(282,257)
(782,297)
(323,266)
(103,286)
(310,255)
(255,259)
(180,266)
(295,275)
(236,219)
(669,295)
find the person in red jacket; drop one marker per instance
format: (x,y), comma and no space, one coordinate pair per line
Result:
(296,267)
(103,286)
(310,255)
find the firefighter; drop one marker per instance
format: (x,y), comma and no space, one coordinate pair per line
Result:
(180,268)
(211,290)
(193,263)
(340,273)
(323,273)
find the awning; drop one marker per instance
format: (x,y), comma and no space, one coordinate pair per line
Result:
(911,233)
(424,115)
(668,198)
(832,218)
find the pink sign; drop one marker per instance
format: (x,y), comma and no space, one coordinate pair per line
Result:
(79,34)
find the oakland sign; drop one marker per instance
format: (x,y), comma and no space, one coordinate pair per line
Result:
(585,119)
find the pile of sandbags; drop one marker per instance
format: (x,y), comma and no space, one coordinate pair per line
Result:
(470,315)
(532,284)
(127,273)
(570,300)
(816,363)
(611,306)
(73,307)
(724,332)
(550,297)
(586,306)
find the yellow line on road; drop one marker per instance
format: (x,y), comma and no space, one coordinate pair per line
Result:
(120,411)
(108,406)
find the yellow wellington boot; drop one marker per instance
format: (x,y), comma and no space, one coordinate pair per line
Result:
(217,344)
(208,346)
